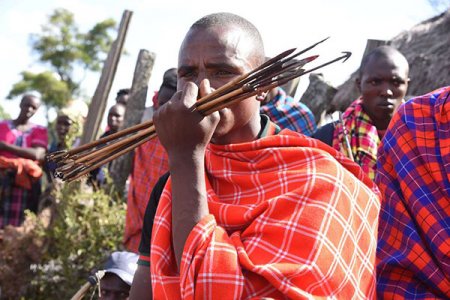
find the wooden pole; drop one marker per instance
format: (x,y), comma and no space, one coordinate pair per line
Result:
(372,44)
(121,167)
(100,98)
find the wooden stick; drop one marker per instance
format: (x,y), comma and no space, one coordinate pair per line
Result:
(344,57)
(110,158)
(212,103)
(231,102)
(110,137)
(115,145)
(100,97)
(81,292)
(293,67)
(305,50)
(207,105)
(232,83)
(205,99)
(99,154)
(346,143)
(277,71)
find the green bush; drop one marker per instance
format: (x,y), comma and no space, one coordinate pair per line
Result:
(86,227)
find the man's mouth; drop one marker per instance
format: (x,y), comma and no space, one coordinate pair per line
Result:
(387,105)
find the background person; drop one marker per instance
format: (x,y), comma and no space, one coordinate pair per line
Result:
(22,149)
(383,82)
(122,97)
(413,175)
(115,121)
(119,273)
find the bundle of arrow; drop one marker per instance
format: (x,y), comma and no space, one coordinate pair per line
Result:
(77,162)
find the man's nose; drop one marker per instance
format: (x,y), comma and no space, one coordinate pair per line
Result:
(200,77)
(387,90)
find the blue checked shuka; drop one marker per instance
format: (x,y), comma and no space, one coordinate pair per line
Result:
(290,114)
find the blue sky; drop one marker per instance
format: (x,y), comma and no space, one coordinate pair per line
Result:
(159,26)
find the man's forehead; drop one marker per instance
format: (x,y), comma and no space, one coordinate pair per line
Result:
(192,58)
(215,44)
(117,109)
(214,31)
(390,63)
(30,99)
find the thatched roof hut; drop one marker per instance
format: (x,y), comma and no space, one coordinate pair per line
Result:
(426,47)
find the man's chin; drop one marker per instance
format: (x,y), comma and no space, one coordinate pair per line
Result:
(219,134)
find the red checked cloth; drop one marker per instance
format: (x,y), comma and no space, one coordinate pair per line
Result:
(363,137)
(287,220)
(27,170)
(150,162)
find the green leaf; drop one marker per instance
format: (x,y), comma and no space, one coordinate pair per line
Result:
(66,52)
(54,92)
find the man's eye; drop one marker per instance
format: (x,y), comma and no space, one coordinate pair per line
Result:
(224,73)
(375,82)
(397,82)
(187,75)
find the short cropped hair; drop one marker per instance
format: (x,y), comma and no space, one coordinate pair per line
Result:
(170,79)
(380,52)
(226,19)
(123,92)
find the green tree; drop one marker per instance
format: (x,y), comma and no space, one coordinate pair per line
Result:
(3,114)
(66,51)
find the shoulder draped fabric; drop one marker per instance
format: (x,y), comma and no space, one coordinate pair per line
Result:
(26,170)
(289,113)
(363,135)
(20,187)
(290,217)
(413,255)
(150,162)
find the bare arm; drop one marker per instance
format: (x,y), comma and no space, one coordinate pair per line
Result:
(141,288)
(184,134)
(34,153)
(189,201)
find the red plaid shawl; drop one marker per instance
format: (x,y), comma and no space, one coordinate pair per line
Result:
(363,135)
(27,170)
(150,162)
(287,220)
(413,256)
